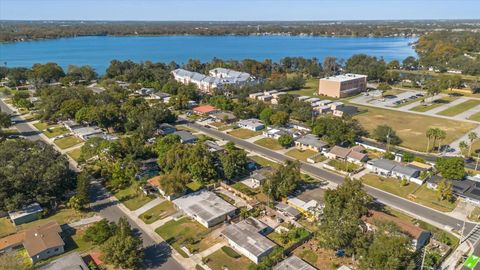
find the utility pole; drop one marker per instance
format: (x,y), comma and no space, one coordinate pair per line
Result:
(388,141)
(476,163)
(423,257)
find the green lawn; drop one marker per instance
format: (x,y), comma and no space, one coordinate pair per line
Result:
(410,101)
(411,128)
(430,199)
(6,227)
(421,195)
(62,216)
(301,154)
(183,232)
(42,126)
(475,117)
(343,166)
(68,142)
(219,260)
(160,211)
(55,131)
(244,189)
(435,104)
(264,162)
(277,238)
(75,153)
(459,108)
(132,199)
(269,143)
(309,256)
(389,185)
(244,133)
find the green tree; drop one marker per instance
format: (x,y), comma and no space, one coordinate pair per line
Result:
(472,137)
(368,65)
(82,190)
(285,180)
(234,161)
(451,167)
(174,182)
(266,115)
(201,163)
(279,118)
(445,191)
(5,120)
(285,140)
(341,220)
(32,171)
(123,249)
(164,144)
(100,232)
(386,134)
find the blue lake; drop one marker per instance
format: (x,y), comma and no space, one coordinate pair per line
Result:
(99,51)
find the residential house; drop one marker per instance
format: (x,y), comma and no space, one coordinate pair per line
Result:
(303,98)
(164,97)
(85,133)
(310,142)
(185,136)
(27,214)
(257,177)
(40,242)
(293,263)
(467,189)
(248,238)
(165,129)
(418,235)
(226,117)
(205,109)
(213,146)
(265,98)
(311,209)
(154,182)
(345,111)
(288,210)
(72,261)
(353,154)
(275,133)
(71,125)
(392,168)
(251,124)
(205,207)
(145,91)
(254,96)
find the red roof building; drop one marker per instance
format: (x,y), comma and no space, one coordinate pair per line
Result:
(204,109)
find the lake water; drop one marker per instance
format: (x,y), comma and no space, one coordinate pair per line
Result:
(99,51)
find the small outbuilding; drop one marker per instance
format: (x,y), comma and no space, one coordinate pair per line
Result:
(26,214)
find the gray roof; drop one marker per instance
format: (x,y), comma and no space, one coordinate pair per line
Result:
(246,234)
(409,171)
(262,174)
(229,75)
(312,140)
(293,263)
(204,204)
(250,122)
(287,209)
(72,261)
(185,136)
(213,146)
(384,164)
(27,210)
(87,131)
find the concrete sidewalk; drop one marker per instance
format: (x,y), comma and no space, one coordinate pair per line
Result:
(148,206)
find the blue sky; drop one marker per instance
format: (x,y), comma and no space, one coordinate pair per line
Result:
(229,10)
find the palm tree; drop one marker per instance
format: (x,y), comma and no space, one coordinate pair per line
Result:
(472,136)
(440,135)
(430,134)
(463,146)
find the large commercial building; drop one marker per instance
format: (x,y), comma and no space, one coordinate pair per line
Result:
(342,85)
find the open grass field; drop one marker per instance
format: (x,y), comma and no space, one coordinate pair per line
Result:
(475,117)
(176,233)
(6,227)
(75,153)
(160,211)
(132,199)
(459,108)
(430,199)
(62,216)
(68,142)
(322,259)
(411,128)
(432,105)
(244,133)
(42,126)
(301,154)
(269,143)
(219,260)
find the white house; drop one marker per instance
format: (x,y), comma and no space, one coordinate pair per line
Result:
(247,237)
(251,124)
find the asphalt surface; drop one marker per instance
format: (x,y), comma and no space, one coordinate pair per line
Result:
(385,198)
(157,255)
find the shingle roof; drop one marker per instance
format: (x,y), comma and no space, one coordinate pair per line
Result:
(42,237)
(384,164)
(405,170)
(312,140)
(340,151)
(72,261)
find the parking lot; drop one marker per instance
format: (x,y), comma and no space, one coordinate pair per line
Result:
(388,100)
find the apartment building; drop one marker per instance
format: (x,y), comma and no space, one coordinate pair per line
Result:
(342,85)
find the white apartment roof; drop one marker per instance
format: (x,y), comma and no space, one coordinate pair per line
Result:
(293,263)
(204,204)
(344,77)
(229,74)
(85,131)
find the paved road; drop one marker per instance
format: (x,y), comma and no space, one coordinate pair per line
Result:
(414,209)
(157,255)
